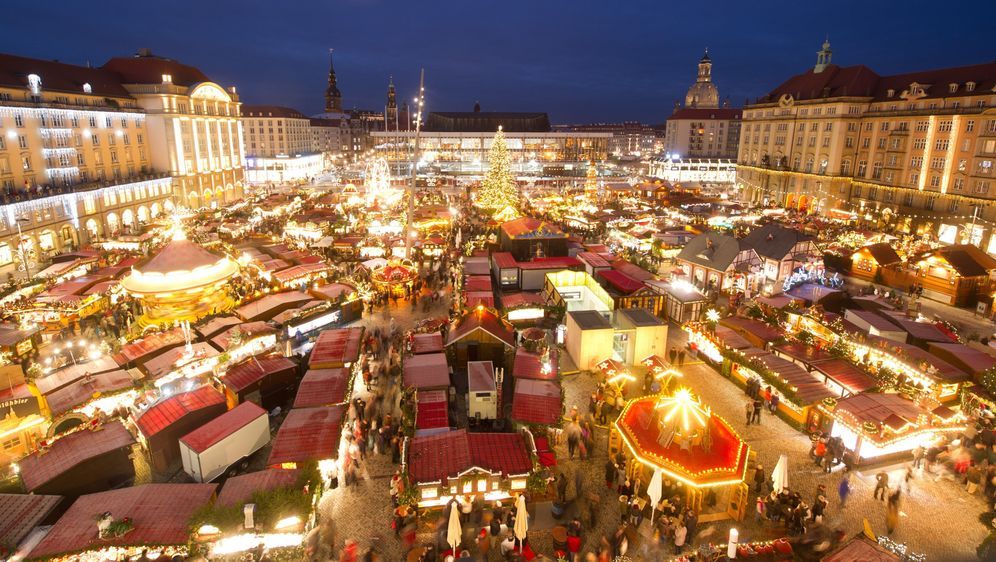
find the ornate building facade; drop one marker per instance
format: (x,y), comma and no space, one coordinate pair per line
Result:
(194,125)
(914,151)
(702,129)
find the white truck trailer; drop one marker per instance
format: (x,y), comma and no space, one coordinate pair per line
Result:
(225,442)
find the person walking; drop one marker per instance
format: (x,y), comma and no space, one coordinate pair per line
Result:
(749,410)
(610,474)
(759,479)
(756,417)
(918,454)
(680,532)
(562,488)
(759,509)
(681,357)
(672,354)
(881,485)
(844,489)
(892,511)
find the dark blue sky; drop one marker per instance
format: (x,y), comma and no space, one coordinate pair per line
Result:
(580,61)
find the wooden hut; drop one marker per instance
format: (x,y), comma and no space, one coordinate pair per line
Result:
(480,335)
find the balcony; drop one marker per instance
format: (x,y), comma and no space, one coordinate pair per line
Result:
(8,197)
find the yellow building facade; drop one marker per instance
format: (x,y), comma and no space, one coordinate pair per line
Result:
(912,151)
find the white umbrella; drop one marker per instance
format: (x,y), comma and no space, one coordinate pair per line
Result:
(655,490)
(780,475)
(454,533)
(521,519)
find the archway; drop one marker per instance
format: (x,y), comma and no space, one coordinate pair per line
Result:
(790,201)
(229,193)
(128,217)
(46,241)
(143,214)
(168,206)
(113,223)
(208,196)
(194,200)
(67,422)
(93,228)
(803,203)
(68,236)
(154,210)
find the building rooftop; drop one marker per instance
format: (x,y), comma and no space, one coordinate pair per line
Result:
(323,387)
(447,455)
(20,513)
(271,111)
(41,467)
(160,514)
(254,369)
(166,412)
(487,121)
(214,431)
(308,434)
(590,320)
(59,77)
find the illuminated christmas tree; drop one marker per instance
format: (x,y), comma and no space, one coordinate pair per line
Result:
(499,189)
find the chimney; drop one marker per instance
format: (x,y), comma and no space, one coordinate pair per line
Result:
(144,52)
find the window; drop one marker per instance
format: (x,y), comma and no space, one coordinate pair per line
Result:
(929,203)
(981,186)
(935,181)
(862,168)
(22,141)
(942,144)
(6,256)
(970,126)
(881,143)
(919,144)
(922,126)
(865,142)
(885,126)
(953,208)
(857,191)
(937,163)
(916,162)
(18,120)
(95,140)
(969,86)
(959,184)
(877,171)
(914,178)
(908,199)
(93,121)
(25,162)
(845,167)
(849,142)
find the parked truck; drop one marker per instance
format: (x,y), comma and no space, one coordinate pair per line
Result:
(225,443)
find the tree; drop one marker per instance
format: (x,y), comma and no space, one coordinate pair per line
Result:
(499,189)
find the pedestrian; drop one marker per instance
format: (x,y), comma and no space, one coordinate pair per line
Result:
(844,489)
(679,537)
(749,410)
(908,478)
(759,509)
(759,479)
(818,509)
(892,511)
(819,451)
(681,357)
(671,355)
(918,454)
(562,488)
(756,417)
(881,485)
(610,474)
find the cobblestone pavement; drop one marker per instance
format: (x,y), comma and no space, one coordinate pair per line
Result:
(938,518)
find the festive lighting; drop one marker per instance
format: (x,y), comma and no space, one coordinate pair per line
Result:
(499,188)
(712,315)
(683,405)
(287,523)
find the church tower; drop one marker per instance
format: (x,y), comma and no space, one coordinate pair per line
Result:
(823,57)
(391,111)
(703,93)
(333,98)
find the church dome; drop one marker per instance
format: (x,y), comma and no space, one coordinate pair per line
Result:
(702,94)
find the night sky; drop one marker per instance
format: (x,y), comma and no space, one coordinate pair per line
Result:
(580,61)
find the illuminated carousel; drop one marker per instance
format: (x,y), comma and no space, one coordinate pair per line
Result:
(182,282)
(395,276)
(685,441)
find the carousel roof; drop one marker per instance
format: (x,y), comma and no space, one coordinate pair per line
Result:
(180,265)
(717,460)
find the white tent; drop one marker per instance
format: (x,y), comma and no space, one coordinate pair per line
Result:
(521,519)
(780,475)
(655,490)
(374,263)
(453,530)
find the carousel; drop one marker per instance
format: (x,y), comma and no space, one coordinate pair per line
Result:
(395,276)
(182,282)
(676,436)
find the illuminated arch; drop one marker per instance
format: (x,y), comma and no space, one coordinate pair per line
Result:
(209,91)
(128,217)
(154,210)
(143,214)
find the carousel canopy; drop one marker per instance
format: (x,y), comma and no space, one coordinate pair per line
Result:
(687,441)
(181,265)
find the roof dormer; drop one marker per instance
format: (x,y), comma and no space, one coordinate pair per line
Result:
(952,87)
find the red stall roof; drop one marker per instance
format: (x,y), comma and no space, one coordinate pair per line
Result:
(620,281)
(160,513)
(68,375)
(164,413)
(522,299)
(809,388)
(41,467)
(150,345)
(267,307)
(427,343)
(484,320)
(504,260)
(478,283)
(322,387)
(537,402)
(217,325)
(308,434)
(474,298)
(248,372)
(432,411)
(426,371)
(755,327)
(82,390)
(445,455)
(249,331)
(214,431)
(339,346)
(239,489)
(21,513)
(846,375)
(529,365)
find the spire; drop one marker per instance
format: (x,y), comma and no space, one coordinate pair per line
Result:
(392,101)
(391,110)
(705,68)
(823,57)
(333,97)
